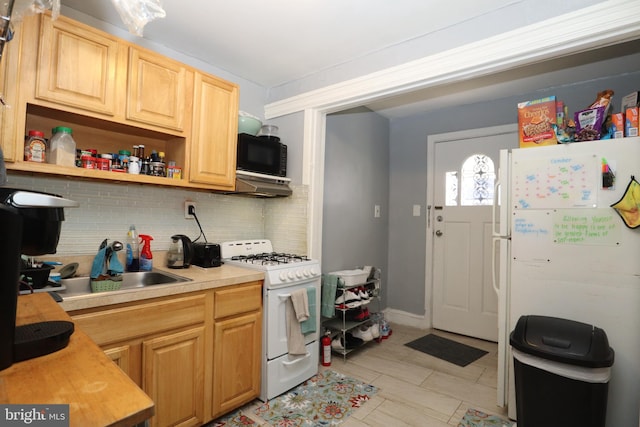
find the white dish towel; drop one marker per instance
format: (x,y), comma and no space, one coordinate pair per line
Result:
(297,310)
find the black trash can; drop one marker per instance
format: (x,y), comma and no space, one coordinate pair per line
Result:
(562,370)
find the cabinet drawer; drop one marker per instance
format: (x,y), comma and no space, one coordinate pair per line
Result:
(235,300)
(125,323)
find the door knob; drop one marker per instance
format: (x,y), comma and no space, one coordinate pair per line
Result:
(438,233)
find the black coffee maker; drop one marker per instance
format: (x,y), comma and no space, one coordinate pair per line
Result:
(30,224)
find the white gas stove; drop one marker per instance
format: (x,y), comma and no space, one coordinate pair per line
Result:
(281,269)
(284,274)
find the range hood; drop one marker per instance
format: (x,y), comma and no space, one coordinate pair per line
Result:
(259,185)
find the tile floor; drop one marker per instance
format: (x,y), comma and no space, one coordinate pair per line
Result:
(416,389)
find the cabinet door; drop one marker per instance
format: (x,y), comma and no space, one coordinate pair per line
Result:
(11,148)
(214,132)
(236,361)
(173,376)
(121,355)
(156,90)
(77,66)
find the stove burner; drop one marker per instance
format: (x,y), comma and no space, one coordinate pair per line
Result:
(270,258)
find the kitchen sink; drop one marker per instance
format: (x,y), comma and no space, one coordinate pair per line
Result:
(142,279)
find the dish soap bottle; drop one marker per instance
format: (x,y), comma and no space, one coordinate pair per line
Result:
(146,257)
(133,250)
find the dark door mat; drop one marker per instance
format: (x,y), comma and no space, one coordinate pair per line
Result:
(446,349)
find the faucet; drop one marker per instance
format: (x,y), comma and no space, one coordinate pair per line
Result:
(115,246)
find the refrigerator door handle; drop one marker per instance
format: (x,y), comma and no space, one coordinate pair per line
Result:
(494,209)
(494,278)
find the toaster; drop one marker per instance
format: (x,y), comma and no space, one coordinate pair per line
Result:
(206,255)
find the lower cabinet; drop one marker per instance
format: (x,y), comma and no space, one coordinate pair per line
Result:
(237,346)
(236,362)
(197,355)
(173,376)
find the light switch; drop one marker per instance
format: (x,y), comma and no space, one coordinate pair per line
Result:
(376,211)
(416,210)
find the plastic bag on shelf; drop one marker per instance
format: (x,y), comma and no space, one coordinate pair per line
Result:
(137,13)
(31,7)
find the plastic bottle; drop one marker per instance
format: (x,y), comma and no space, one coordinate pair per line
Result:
(146,257)
(63,147)
(133,250)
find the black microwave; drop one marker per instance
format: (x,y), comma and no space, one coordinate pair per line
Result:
(261,154)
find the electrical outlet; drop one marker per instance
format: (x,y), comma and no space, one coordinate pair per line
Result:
(189,209)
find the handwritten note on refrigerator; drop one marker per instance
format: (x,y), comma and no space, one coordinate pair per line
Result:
(586,227)
(556,182)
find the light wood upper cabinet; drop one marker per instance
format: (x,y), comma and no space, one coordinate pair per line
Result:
(115,94)
(214,132)
(9,91)
(77,66)
(157,90)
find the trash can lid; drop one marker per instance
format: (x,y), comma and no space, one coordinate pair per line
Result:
(562,340)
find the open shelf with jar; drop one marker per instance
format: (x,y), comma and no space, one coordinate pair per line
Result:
(103,136)
(135,97)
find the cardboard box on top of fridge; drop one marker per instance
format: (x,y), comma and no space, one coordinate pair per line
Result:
(630,101)
(617,123)
(631,122)
(535,122)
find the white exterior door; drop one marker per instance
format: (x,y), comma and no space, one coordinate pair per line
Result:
(464,300)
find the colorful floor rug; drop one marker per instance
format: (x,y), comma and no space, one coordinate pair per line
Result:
(326,399)
(475,418)
(446,349)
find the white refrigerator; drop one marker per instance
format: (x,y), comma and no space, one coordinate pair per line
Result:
(563,251)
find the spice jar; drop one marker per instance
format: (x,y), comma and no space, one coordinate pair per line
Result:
(35,147)
(88,162)
(134,165)
(177,172)
(102,164)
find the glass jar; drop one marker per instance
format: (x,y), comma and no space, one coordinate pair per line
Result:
(35,147)
(63,147)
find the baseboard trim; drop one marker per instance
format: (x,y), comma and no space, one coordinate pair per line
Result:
(406,319)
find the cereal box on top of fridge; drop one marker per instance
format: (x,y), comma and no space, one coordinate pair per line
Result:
(535,122)
(632,122)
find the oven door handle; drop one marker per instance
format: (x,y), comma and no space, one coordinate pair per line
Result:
(293,362)
(284,296)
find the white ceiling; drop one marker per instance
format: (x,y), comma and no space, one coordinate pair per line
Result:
(279,41)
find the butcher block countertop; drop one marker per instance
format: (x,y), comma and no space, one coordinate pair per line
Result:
(81,375)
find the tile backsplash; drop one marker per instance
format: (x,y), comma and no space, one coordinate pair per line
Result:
(108,209)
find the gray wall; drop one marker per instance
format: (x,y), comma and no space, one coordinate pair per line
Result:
(408,173)
(356,178)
